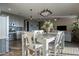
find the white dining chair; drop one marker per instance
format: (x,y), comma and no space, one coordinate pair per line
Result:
(54,46)
(29,48)
(37,35)
(62,39)
(59,42)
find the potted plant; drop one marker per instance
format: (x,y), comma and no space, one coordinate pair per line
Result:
(47,26)
(75,31)
(75,26)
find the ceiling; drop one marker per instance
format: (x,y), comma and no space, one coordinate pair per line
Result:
(59,10)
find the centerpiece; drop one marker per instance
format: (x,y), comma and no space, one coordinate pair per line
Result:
(47,26)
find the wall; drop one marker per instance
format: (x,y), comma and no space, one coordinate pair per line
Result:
(16,20)
(33,25)
(19,22)
(67,21)
(64,21)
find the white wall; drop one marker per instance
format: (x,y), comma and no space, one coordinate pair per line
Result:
(65,21)
(68,22)
(33,25)
(17,20)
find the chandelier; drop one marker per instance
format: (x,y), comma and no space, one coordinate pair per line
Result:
(45,12)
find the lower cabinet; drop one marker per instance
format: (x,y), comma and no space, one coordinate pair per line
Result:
(4,46)
(12,36)
(68,36)
(19,35)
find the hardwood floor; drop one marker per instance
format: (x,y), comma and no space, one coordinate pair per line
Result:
(15,48)
(71,49)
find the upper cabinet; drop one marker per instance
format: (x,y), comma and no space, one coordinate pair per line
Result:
(4,27)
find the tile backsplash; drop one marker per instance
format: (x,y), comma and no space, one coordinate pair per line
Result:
(15,29)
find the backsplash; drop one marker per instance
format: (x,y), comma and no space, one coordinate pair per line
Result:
(14,28)
(19,28)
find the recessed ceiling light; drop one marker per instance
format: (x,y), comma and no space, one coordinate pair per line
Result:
(9,9)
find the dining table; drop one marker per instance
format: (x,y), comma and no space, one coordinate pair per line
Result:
(47,38)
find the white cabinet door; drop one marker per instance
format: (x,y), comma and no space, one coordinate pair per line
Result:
(68,36)
(3,27)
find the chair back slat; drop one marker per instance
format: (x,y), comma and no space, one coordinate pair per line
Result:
(59,38)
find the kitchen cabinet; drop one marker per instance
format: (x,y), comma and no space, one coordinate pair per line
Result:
(4,34)
(19,35)
(12,36)
(67,36)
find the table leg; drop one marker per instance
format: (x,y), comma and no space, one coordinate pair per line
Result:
(45,48)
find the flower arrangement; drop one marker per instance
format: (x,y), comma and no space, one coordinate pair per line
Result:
(47,26)
(75,26)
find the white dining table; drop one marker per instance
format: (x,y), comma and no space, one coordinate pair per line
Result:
(47,38)
(45,41)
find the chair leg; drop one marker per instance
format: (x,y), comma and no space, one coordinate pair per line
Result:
(62,47)
(35,52)
(28,52)
(40,51)
(61,50)
(55,51)
(58,50)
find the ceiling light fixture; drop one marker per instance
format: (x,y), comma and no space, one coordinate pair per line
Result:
(45,13)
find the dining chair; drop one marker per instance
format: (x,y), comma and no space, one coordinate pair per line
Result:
(54,46)
(62,39)
(36,34)
(30,48)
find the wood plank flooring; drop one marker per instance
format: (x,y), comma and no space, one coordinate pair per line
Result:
(71,49)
